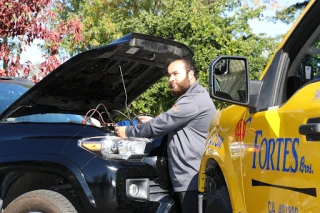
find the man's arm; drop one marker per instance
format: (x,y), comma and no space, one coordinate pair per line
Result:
(180,114)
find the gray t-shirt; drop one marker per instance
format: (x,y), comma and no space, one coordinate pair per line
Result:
(186,124)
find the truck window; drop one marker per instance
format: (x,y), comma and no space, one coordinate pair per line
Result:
(307,69)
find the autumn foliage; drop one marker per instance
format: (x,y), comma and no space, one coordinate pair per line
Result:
(23,21)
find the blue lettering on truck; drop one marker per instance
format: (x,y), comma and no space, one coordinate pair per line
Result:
(281,208)
(278,154)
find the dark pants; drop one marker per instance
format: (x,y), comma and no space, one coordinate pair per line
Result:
(188,201)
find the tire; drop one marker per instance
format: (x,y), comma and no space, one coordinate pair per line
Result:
(219,202)
(44,201)
(218,198)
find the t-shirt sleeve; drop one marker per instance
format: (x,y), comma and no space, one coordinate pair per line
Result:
(177,116)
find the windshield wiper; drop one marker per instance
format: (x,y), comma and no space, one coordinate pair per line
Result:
(13,111)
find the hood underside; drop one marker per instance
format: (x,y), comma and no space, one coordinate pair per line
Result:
(97,76)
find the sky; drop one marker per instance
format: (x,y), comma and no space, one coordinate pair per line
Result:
(34,54)
(272,28)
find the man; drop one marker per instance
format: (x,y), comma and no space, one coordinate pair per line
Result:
(186,124)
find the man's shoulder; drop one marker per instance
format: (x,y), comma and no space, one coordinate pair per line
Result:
(200,93)
(197,93)
(198,89)
(185,99)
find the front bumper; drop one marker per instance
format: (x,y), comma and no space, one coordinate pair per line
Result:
(107,181)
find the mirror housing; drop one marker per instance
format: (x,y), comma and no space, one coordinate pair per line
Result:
(229,79)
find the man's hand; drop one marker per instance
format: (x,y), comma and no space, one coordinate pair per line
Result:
(121,131)
(145,118)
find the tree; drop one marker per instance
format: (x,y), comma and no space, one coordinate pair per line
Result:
(289,14)
(23,21)
(102,20)
(209,28)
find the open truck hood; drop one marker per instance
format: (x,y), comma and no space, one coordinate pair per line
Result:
(94,77)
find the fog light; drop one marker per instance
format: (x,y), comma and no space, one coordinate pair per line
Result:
(138,188)
(133,190)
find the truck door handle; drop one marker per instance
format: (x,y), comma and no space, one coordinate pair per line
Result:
(310,128)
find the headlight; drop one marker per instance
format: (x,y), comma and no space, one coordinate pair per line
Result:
(113,147)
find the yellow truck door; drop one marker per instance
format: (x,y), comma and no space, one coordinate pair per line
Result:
(276,137)
(281,162)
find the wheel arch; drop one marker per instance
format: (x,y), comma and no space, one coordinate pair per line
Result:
(217,169)
(37,166)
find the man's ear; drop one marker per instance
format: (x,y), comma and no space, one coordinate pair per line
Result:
(191,74)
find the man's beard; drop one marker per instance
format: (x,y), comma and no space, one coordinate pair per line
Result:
(181,87)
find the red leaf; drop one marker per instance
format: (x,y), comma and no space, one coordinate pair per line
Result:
(29,19)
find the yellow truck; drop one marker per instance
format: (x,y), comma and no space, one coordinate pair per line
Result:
(263,151)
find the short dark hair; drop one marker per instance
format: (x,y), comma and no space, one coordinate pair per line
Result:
(188,64)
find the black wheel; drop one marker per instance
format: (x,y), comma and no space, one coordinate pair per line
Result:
(44,201)
(219,202)
(218,199)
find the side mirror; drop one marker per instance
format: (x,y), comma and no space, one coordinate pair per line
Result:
(228,79)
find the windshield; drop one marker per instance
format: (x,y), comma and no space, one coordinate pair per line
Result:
(10,92)
(48,118)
